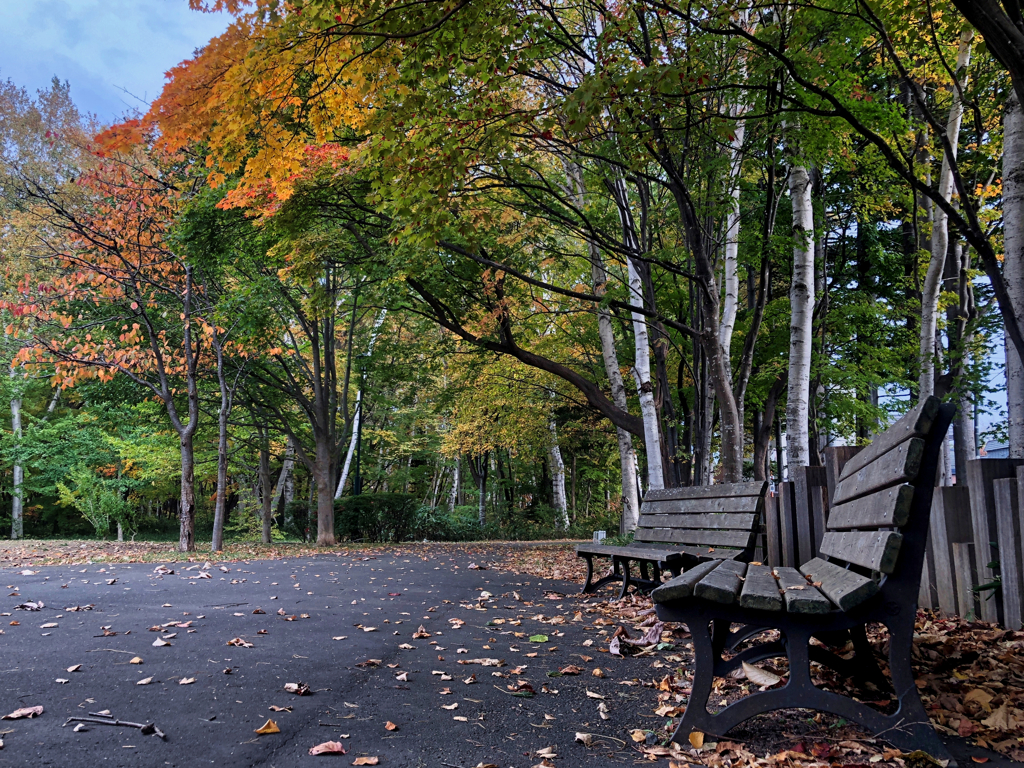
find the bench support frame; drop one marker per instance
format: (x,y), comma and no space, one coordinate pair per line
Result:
(894,606)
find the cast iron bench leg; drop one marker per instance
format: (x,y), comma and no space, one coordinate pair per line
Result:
(587,585)
(627,576)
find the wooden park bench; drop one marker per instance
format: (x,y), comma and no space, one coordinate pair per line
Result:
(868,570)
(680,527)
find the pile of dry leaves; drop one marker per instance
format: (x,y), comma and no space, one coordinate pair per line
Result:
(970,675)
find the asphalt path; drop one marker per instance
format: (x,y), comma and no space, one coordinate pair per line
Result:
(307,620)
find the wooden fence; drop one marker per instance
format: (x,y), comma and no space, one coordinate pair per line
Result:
(975,537)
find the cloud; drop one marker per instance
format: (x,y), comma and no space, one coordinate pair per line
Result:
(113,52)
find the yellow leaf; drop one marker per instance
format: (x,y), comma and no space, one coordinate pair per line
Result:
(268,727)
(696,739)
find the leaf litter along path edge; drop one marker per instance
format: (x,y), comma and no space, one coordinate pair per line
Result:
(289,609)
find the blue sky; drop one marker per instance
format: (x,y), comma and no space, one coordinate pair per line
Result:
(100,47)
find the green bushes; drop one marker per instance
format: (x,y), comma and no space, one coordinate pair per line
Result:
(393,517)
(376,517)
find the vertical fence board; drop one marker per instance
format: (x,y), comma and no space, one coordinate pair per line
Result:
(1008,542)
(980,475)
(964,578)
(786,529)
(950,502)
(802,514)
(835,458)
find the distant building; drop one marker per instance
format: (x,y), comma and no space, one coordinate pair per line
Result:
(993,450)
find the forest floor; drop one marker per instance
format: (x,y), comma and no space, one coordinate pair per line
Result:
(454,655)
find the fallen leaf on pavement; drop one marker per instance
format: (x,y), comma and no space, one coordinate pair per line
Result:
(328,748)
(186,681)
(268,727)
(49,625)
(159,643)
(592,695)
(239,643)
(420,633)
(275,708)
(450,706)
(402,677)
(366,760)
(389,726)
(23,712)
(136,660)
(145,681)
(75,668)
(586,739)
(299,689)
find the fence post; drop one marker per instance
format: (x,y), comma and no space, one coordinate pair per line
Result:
(1004,493)
(951,514)
(980,475)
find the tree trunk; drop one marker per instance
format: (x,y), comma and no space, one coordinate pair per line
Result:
(266,488)
(929,342)
(187,510)
(18,471)
(609,355)
(285,488)
(453,497)
(645,389)
(217,544)
(558,480)
(801,300)
(323,470)
(1013,264)
(356,418)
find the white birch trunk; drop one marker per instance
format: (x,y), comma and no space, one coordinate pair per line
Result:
(357,417)
(642,344)
(605,331)
(929,342)
(801,299)
(284,480)
(1013,264)
(730,267)
(558,480)
(453,496)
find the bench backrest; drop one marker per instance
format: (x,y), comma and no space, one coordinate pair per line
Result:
(711,520)
(878,523)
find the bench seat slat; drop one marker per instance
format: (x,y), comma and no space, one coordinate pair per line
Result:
(844,588)
(725,490)
(723,584)
(760,590)
(715,521)
(682,585)
(876,550)
(887,508)
(800,596)
(640,553)
(698,537)
(915,423)
(897,466)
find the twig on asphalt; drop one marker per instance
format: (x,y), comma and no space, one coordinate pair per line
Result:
(145,728)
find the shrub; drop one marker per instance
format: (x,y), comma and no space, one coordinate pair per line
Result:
(376,516)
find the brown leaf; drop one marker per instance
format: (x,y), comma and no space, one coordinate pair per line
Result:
(420,633)
(328,748)
(24,712)
(268,727)
(389,726)
(275,708)
(366,760)
(299,689)
(136,660)
(696,739)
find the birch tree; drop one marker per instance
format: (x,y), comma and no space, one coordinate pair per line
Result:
(930,347)
(801,302)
